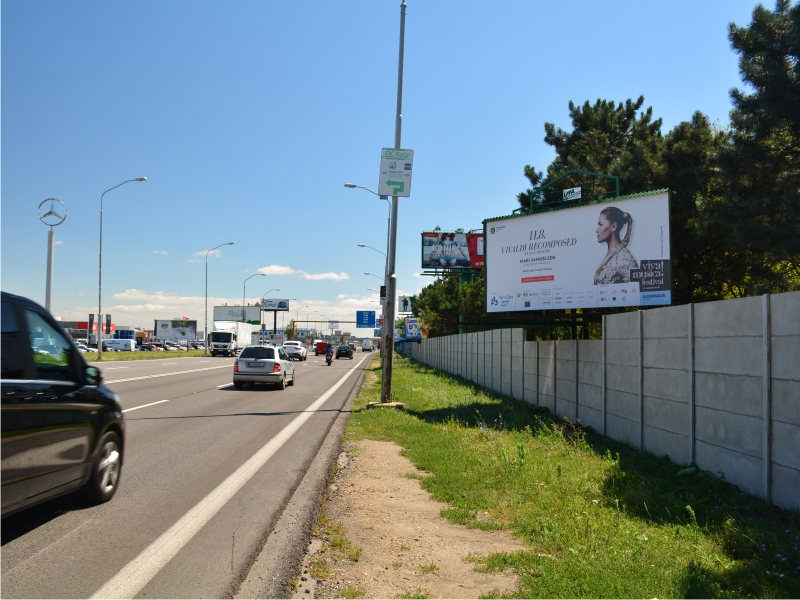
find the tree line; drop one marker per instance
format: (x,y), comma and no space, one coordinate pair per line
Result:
(734,190)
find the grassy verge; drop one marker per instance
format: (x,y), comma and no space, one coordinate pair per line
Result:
(125,356)
(600,518)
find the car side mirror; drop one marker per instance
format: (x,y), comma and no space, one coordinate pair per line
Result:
(93,376)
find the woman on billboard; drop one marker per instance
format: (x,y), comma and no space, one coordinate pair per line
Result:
(447,248)
(619,261)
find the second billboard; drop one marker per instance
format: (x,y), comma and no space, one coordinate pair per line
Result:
(449,250)
(615,253)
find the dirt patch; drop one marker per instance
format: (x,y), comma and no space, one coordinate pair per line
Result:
(406,547)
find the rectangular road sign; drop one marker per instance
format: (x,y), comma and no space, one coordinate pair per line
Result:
(365,318)
(395,174)
(376,333)
(333,324)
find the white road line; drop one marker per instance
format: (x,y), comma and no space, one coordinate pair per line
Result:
(226,385)
(163,364)
(138,573)
(168,374)
(112,368)
(143,406)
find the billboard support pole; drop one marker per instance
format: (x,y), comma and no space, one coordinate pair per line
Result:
(391,288)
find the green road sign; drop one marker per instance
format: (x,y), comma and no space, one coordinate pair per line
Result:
(396,169)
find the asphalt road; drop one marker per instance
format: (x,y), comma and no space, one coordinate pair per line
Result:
(207,473)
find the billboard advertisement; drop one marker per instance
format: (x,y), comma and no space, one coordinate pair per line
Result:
(412,331)
(449,250)
(175,330)
(234,313)
(615,253)
(280,304)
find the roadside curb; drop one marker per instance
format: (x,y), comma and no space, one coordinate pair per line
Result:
(281,558)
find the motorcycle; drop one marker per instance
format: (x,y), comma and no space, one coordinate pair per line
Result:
(329,359)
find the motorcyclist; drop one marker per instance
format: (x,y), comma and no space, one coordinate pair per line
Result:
(329,352)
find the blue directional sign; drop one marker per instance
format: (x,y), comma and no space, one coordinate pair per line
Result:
(365,318)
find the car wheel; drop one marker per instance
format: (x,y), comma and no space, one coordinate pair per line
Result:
(294,376)
(106,468)
(238,385)
(282,384)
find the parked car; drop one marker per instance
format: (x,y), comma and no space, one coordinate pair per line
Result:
(296,350)
(63,430)
(344,350)
(83,348)
(263,364)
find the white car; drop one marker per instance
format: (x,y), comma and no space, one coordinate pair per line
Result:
(296,350)
(263,364)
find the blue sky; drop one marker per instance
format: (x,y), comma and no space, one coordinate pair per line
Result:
(247,118)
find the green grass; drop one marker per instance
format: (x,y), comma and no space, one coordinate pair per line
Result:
(429,568)
(91,357)
(599,518)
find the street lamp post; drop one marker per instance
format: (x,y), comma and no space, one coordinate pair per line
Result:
(244,290)
(100,280)
(297,316)
(206,325)
(308,316)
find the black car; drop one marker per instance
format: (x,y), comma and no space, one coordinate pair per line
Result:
(344,350)
(63,429)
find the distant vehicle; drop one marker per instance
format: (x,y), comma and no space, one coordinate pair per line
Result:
(229,337)
(296,350)
(119,345)
(320,347)
(344,350)
(366,345)
(151,348)
(83,448)
(283,305)
(263,364)
(82,348)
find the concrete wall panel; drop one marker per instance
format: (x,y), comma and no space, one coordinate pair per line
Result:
(786,487)
(727,392)
(667,322)
(623,352)
(622,326)
(590,397)
(622,404)
(590,372)
(591,418)
(622,429)
(663,414)
(667,443)
(785,313)
(741,317)
(623,378)
(786,445)
(738,469)
(667,384)
(786,402)
(738,433)
(786,357)
(591,351)
(734,356)
(666,353)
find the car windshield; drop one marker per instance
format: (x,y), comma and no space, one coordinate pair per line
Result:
(220,336)
(258,352)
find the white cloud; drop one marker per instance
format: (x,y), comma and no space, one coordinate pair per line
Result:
(284,270)
(195,260)
(247,270)
(162,252)
(417,274)
(277,270)
(78,294)
(202,253)
(59,242)
(318,276)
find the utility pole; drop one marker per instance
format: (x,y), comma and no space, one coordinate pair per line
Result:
(391,280)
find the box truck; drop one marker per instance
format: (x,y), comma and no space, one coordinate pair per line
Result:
(229,337)
(119,345)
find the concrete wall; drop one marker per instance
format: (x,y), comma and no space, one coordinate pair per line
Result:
(714,384)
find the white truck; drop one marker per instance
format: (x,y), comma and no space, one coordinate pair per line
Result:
(229,337)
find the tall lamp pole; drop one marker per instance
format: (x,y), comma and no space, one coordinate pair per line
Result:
(205,334)
(391,287)
(100,279)
(244,293)
(297,316)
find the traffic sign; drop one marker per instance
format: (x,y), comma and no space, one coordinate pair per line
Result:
(365,318)
(395,174)
(383,295)
(404,304)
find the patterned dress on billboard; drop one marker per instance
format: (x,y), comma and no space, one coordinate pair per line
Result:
(616,268)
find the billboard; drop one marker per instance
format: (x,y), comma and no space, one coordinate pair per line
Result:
(175,330)
(404,304)
(412,331)
(449,250)
(280,304)
(234,313)
(614,253)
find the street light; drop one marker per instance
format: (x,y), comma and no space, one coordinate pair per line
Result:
(206,326)
(297,316)
(100,271)
(373,274)
(244,287)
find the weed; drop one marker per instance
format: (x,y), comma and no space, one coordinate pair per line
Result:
(418,593)
(347,591)
(429,568)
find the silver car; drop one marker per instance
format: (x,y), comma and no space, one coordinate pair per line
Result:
(296,350)
(263,364)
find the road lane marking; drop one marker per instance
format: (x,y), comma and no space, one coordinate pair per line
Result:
(112,368)
(168,374)
(164,364)
(138,573)
(224,386)
(144,406)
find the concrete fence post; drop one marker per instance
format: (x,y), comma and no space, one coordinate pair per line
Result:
(767,391)
(691,386)
(577,378)
(641,380)
(605,336)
